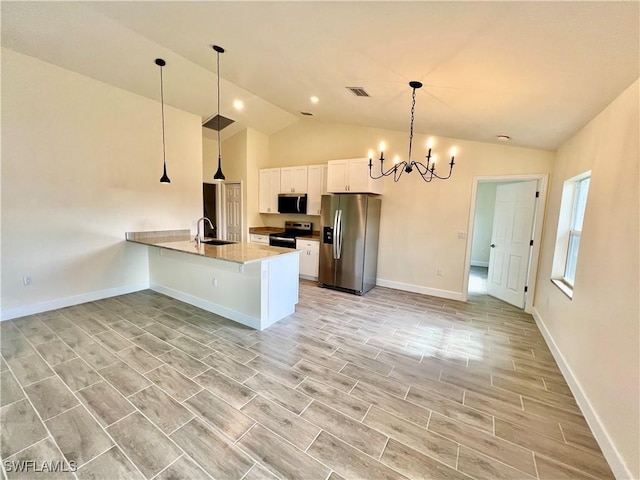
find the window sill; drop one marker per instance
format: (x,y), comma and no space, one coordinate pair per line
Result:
(563,286)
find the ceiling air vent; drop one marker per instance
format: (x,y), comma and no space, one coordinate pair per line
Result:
(212,123)
(358,91)
(308,114)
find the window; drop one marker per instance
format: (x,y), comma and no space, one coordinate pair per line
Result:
(572,209)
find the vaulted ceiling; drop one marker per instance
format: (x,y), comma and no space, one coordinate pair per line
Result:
(536,71)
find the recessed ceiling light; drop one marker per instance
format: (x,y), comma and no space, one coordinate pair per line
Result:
(503,138)
(238,104)
(314,99)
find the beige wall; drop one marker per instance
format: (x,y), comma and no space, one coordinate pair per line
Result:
(257,157)
(234,154)
(81,163)
(598,331)
(420,222)
(243,155)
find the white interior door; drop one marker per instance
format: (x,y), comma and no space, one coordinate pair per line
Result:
(511,237)
(233,211)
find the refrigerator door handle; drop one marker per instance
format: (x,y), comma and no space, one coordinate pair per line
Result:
(339,235)
(335,235)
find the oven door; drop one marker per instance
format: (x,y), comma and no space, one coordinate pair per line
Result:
(279,241)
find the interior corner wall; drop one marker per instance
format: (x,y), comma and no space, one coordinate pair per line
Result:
(257,157)
(596,334)
(234,155)
(420,222)
(81,164)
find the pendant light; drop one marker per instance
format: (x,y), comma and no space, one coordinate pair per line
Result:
(427,171)
(219,176)
(164,179)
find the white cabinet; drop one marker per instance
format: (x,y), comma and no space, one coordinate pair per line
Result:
(257,238)
(351,176)
(293,180)
(269,190)
(309,258)
(316,187)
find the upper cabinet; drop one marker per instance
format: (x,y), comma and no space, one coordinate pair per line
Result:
(351,176)
(338,176)
(316,187)
(293,180)
(269,190)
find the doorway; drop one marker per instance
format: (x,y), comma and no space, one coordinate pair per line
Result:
(506,216)
(232,211)
(210,208)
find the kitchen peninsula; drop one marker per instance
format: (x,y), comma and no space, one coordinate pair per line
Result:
(252,284)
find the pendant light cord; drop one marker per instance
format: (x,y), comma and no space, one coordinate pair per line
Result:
(164,158)
(218,121)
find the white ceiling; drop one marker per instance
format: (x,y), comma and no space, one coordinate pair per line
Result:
(537,71)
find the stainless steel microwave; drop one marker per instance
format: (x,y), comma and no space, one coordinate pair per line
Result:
(292,203)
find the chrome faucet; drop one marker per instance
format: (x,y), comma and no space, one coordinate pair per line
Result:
(198,239)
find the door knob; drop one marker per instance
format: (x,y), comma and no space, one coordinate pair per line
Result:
(493,245)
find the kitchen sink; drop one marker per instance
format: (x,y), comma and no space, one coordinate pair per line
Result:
(215,241)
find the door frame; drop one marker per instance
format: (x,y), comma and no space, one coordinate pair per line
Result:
(221,207)
(532,269)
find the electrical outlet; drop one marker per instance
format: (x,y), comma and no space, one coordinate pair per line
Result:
(214,282)
(440,272)
(26,280)
(462,235)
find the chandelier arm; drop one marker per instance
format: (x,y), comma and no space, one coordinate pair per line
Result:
(444,178)
(371,174)
(426,175)
(420,167)
(396,166)
(396,169)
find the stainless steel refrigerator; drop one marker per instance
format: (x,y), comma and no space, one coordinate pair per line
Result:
(349,242)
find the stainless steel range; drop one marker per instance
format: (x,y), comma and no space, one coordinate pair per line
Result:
(292,230)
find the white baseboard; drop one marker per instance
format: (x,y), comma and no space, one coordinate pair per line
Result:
(477,263)
(616,462)
(25,310)
(408,287)
(208,306)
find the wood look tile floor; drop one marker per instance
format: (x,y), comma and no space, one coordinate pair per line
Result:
(388,385)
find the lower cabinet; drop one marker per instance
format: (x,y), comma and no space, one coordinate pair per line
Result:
(309,258)
(257,238)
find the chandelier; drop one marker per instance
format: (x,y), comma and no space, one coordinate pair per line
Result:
(427,171)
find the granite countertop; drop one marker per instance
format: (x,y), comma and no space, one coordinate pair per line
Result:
(315,237)
(181,241)
(265,230)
